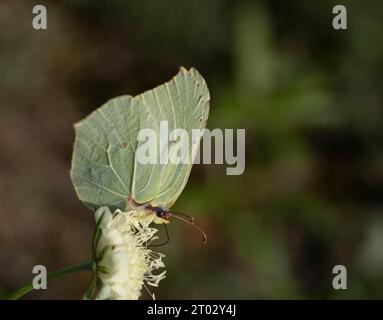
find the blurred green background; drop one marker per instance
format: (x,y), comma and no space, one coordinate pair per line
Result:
(309,97)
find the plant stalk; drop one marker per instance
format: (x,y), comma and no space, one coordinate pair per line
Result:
(86,266)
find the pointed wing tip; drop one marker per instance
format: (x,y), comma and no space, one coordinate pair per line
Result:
(77,124)
(191,70)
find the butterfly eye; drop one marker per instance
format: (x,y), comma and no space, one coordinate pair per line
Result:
(159,211)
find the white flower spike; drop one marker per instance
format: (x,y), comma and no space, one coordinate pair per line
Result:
(124,263)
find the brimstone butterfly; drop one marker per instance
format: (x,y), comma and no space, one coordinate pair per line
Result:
(105,170)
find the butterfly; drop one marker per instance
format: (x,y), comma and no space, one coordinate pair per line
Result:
(105,170)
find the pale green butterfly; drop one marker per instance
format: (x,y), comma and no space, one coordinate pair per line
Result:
(105,171)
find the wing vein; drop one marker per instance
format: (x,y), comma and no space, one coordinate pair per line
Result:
(99,185)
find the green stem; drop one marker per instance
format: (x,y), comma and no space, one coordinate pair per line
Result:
(86,266)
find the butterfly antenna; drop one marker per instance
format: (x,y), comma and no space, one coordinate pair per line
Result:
(190,221)
(185,216)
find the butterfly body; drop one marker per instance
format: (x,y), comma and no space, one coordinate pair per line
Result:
(159,215)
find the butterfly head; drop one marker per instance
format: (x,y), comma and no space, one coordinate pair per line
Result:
(162,215)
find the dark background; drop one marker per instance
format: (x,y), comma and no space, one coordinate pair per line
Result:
(309,97)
